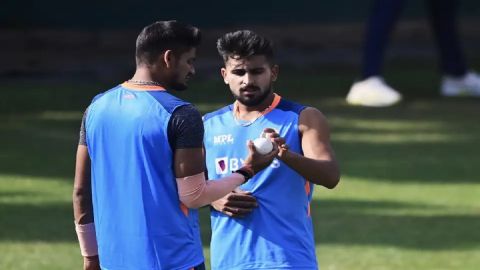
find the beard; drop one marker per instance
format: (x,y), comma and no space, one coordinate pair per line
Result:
(177,84)
(250,102)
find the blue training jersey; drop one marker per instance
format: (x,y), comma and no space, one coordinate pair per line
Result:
(140,222)
(278,234)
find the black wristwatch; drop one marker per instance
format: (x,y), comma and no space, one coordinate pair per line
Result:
(244,173)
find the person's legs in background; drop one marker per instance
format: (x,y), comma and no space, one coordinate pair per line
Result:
(380,25)
(372,90)
(457,80)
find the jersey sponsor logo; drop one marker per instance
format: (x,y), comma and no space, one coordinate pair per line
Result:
(223,139)
(226,165)
(221,165)
(275,164)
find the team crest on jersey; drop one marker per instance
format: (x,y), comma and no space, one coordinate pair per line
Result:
(221,165)
(223,139)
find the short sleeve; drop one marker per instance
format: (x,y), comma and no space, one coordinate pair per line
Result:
(82,138)
(185,129)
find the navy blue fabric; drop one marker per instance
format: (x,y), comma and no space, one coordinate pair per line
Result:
(382,20)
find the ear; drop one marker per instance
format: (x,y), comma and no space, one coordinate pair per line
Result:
(168,58)
(275,70)
(223,71)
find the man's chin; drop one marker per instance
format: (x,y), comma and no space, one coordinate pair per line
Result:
(252,100)
(249,101)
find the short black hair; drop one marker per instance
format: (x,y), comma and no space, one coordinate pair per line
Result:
(160,36)
(243,44)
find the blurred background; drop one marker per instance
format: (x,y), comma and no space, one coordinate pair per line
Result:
(410,188)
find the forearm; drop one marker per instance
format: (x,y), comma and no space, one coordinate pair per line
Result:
(83,208)
(84,226)
(320,172)
(194,191)
(82,205)
(82,192)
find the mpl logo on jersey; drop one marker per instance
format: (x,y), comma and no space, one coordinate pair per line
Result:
(223,139)
(224,165)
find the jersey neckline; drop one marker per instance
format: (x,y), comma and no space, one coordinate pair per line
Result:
(137,87)
(233,107)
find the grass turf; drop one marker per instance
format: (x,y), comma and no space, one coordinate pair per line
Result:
(408,198)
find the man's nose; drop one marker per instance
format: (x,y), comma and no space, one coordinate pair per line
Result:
(247,79)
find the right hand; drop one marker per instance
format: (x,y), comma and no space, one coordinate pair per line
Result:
(91,263)
(236,204)
(258,161)
(274,136)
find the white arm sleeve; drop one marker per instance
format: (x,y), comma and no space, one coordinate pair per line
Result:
(194,191)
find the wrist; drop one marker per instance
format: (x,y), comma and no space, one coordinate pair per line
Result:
(246,171)
(87,239)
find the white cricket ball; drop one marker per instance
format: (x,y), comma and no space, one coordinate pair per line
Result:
(263,145)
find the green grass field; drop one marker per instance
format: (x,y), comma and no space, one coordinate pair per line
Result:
(408,198)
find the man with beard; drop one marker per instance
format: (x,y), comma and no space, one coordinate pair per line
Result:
(140,163)
(266,223)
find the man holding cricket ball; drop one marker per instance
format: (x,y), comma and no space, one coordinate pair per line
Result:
(266,223)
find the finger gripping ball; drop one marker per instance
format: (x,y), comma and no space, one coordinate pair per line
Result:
(263,145)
